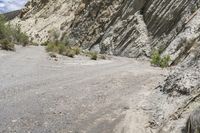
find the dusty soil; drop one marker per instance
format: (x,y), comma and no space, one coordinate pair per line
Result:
(41,95)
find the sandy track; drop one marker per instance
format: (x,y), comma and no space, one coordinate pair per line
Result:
(40,95)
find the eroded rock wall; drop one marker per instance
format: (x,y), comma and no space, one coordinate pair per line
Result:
(114,27)
(174,26)
(41,17)
(134,28)
(131,28)
(184,49)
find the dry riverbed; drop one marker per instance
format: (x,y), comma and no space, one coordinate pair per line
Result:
(79,95)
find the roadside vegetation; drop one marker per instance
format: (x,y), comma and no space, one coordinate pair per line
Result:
(54,46)
(92,55)
(159,61)
(62,49)
(10,35)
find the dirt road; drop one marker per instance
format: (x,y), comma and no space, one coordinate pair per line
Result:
(41,95)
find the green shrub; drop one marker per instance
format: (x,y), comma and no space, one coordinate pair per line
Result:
(19,37)
(45,43)
(164,62)
(70,53)
(159,61)
(66,41)
(56,47)
(77,50)
(23,39)
(61,48)
(7,45)
(93,55)
(12,33)
(51,47)
(155,58)
(2,27)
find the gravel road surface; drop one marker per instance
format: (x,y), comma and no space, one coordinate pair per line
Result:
(41,95)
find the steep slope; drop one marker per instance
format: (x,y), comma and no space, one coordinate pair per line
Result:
(11,15)
(129,28)
(40,17)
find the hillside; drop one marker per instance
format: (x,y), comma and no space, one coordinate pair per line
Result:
(12,15)
(130,28)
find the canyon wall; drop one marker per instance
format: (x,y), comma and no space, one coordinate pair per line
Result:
(131,28)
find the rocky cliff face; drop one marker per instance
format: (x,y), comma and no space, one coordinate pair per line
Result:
(175,29)
(131,28)
(42,16)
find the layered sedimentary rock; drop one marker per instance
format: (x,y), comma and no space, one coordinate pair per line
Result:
(185,52)
(131,28)
(118,28)
(40,17)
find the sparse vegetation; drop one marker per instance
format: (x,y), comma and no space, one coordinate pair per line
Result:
(70,52)
(2,27)
(93,55)
(102,56)
(159,61)
(20,37)
(155,58)
(60,48)
(10,35)
(51,47)
(45,43)
(165,61)
(64,48)
(77,50)
(7,45)
(194,9)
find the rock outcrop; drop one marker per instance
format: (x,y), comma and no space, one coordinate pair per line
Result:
(40,17)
